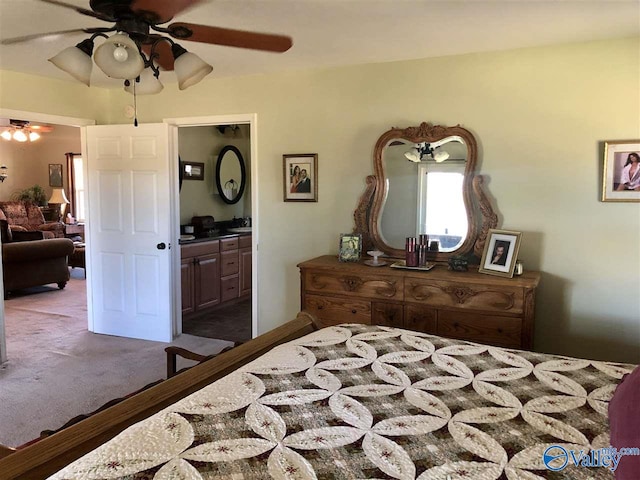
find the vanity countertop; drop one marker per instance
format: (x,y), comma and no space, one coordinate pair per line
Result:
(216,236)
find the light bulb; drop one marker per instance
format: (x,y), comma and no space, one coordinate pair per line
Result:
(20,136)
(33,136)
(120,54)
(6,135)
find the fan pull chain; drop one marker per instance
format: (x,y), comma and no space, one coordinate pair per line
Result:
(135,105)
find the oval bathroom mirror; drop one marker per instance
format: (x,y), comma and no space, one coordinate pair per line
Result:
(231,174)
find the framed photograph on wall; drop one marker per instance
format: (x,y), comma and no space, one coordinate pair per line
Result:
(55,175)
(300,177)
(500,253)
(350,247)
(192,171)
(621,171)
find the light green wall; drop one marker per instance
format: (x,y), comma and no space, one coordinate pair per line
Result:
(539,116)
(31,93)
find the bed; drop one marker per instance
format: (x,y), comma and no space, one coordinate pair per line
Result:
(347,401)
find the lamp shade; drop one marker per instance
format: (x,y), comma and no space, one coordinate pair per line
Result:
(189,67)
(148,84)
(58,196)
(76,61)
(118,57)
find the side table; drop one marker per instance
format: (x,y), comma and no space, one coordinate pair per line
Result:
(74,230)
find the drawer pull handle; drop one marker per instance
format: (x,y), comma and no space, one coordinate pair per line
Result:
(320,307)
(354,311)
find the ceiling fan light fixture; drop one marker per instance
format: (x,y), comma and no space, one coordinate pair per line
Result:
(6,135)
(33,136)
(413,155)
(440,156)
(116,59)
(76,61)
(149,84)
(189,67)
(20,136)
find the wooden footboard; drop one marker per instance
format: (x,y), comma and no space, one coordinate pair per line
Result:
(50,454)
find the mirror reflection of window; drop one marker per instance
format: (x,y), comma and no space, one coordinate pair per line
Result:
(441,210)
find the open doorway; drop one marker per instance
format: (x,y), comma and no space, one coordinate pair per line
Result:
(216,288)
(216,230)
(48,153)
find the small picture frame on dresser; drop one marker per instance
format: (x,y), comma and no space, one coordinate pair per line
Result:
(500,253)
(350,247)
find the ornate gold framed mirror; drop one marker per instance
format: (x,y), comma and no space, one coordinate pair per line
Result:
(425,182)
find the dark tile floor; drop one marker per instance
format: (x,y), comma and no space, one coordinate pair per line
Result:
(231,323)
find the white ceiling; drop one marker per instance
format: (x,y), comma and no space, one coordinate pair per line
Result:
(336,32)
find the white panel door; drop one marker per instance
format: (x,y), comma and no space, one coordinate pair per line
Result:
(129,222)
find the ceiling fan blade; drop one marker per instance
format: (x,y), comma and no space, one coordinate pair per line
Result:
(165,56)
(41,128)
(83,11)
(160,11)
(25,38)
(231,38)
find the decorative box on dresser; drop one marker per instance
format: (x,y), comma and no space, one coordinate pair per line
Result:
(465,305)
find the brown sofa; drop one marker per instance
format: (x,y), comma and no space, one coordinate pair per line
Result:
(33,262)
(27,217)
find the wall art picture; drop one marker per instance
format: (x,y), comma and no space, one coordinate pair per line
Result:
(500,253)
(621,171)
(350,247)
(55,175)
(192,171)
(300,177)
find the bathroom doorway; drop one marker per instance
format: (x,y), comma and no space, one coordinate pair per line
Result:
(218,227)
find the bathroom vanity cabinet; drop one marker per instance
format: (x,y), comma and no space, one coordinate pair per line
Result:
(215,272)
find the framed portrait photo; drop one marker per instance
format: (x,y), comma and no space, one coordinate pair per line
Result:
(500,253)
(192,171)
(55,175)
(350,247)
(621,171)
(300,177)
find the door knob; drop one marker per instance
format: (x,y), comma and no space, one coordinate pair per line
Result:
(161,246)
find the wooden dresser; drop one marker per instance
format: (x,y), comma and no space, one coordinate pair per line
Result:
(465,305)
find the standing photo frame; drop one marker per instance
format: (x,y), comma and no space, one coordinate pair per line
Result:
(500,253)
(300,177)
(55,175)
(350,247)
(621,171)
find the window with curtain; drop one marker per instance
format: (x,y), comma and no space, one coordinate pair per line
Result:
(77,189)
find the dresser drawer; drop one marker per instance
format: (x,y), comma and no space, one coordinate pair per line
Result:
(200,248)
(229,263)
(227,244)
(354,285)
(490,329)
(471,296)
(333,311)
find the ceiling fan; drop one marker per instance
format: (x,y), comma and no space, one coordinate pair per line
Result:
(141,46)
(21,130)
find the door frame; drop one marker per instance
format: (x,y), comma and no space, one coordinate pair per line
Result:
(41,118)
(250,119)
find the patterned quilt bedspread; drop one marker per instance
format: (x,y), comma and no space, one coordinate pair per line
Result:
(367,402)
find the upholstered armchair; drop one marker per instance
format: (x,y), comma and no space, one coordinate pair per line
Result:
(27,217)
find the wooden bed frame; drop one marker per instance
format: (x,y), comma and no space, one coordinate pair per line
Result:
(50,454)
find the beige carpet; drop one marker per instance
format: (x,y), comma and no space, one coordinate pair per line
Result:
(57,369)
